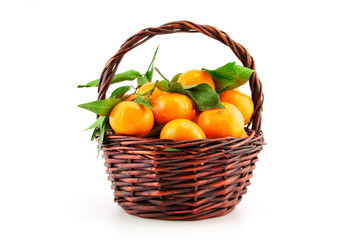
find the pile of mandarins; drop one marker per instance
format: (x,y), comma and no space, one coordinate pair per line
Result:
(176,114)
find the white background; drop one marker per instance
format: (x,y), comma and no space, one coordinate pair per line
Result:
(306,184)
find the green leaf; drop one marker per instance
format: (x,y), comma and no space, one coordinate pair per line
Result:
(163,85)
(101,107)
(95,132)
(203,96)
(176,88)
(102,134)
(119,92)
(229,76)
(141,80)
(119,77)
(176,77)
(97,123)
(150,70)
(140,100)
(156,131)
(172,150)
(97,129)
(150,73)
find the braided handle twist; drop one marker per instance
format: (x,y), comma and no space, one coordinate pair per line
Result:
(185,26)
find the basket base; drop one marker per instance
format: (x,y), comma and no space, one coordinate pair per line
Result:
(205,212)
(188,217)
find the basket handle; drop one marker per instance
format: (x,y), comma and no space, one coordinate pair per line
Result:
(185,26)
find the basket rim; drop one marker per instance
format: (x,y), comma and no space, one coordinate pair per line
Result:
(149,141)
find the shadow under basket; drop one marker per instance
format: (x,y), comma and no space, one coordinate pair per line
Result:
(182,180)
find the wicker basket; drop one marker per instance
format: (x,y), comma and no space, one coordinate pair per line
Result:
(207,178)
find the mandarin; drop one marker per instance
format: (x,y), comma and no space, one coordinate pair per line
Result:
(192,77)
(131,118)
(222,122)
(172,106)
(182,129)
(241,101)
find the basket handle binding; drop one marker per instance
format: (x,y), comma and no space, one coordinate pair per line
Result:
(185,26)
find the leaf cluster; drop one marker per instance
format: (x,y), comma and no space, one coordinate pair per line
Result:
(227,77)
